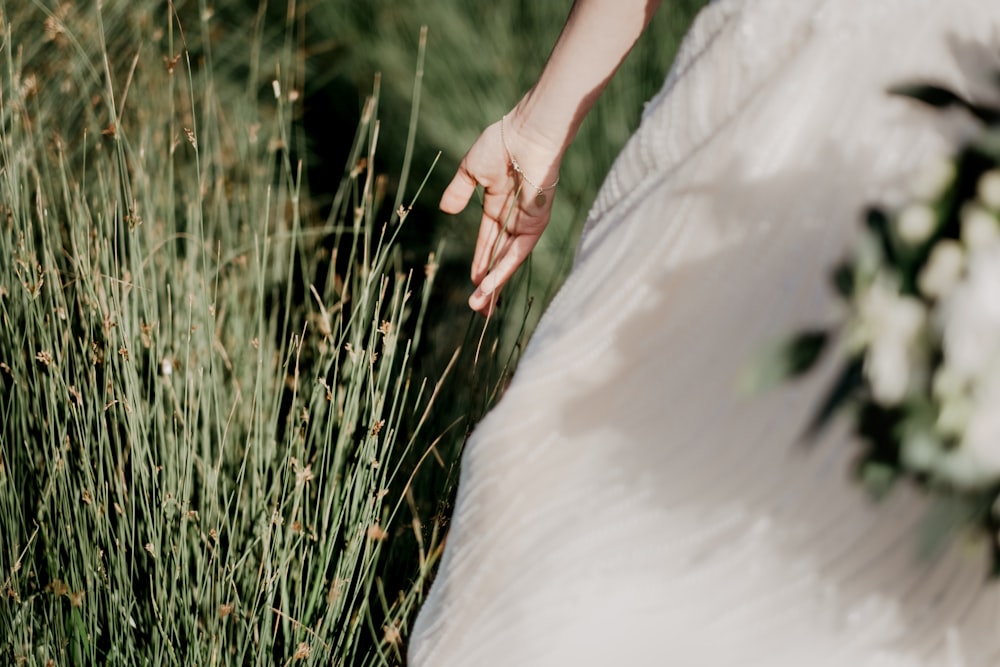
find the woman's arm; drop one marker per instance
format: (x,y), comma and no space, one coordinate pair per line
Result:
(596,38)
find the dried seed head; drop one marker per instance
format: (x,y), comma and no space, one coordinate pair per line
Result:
(376,533)
(336,589)
(171,63)
(58,588)
(431,267)
(145,334)
(53,29)
(29,86)
(304,476)
(392,635)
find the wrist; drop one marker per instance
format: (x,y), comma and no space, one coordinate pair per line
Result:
(533,155)
(540,126)
(535,190)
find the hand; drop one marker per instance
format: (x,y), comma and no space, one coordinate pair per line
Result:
(513,217)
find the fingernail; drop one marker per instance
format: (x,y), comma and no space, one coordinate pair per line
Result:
(484,289)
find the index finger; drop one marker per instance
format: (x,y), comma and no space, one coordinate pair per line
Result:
(458,193)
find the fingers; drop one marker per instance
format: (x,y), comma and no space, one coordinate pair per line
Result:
(489,233)
(490,304)
(500,218)
(459,191)
(507,262)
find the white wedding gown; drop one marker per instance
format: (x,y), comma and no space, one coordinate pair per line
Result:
(625,503)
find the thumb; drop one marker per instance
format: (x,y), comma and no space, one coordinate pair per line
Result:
(459,191)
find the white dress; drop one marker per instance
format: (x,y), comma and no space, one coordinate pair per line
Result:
(625,503)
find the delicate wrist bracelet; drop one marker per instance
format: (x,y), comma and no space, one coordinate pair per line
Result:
(539,192)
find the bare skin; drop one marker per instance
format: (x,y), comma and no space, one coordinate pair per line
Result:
(596,38)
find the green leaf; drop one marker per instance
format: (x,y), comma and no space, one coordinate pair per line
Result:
(783,361)
(843,280)
(878,478)
(878,222)
(942,98)
(847,383)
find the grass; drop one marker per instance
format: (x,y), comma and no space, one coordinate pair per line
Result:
(207,403)
(232,400)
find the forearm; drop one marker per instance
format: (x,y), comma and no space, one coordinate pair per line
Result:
(595,40)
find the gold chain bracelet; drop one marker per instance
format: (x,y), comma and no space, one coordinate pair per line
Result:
(539,191)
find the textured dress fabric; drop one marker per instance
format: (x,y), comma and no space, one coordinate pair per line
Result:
(625,503)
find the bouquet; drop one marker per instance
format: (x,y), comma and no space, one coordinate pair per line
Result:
(921,380)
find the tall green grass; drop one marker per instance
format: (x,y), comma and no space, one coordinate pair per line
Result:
(231,403)
(207,402)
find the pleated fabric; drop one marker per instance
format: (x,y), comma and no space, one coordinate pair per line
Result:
(626,503)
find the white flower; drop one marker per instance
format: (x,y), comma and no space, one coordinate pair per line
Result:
(982,433)
(953,416)
(916,223)
(921,451)
(947,384)
(892,324)
(963,469)
(971,317)
(929,183)
(988,189)
(980,228)
(887,367)
(943,269)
